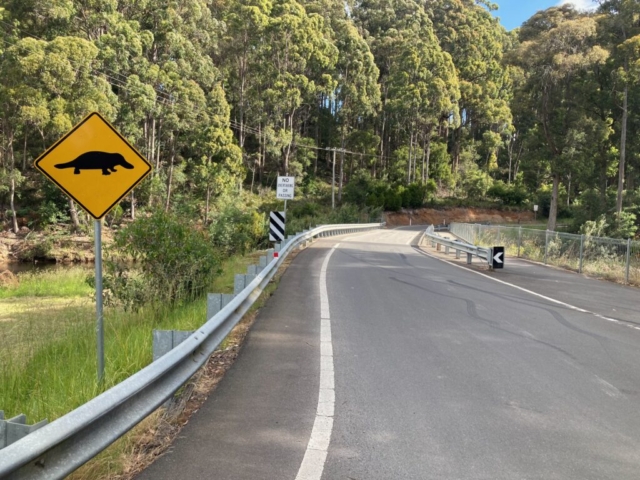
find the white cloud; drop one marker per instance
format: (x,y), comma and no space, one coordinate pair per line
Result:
(582,4)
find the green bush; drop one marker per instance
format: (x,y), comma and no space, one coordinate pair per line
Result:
(513,194)
(168,261)
(237,231)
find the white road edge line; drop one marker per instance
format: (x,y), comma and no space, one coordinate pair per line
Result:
(318,447)
(553,300)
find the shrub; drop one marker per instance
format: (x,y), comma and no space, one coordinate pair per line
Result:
(170,261)
(236,231)
(513,194)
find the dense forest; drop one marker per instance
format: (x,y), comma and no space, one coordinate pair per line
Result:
(403,101)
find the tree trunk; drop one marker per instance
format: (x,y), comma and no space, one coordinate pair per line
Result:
(24,152)
(623,149)
(12,194)
(74,216)
(206,209)
(428,154)
(553,210)
(170,179)
(133,205)
(12,190)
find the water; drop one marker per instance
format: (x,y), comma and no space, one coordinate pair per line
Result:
(33,267)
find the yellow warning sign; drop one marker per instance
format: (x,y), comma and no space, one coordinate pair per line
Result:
(94,165)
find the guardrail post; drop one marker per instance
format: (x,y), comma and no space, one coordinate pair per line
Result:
(166,340)
(519,240)
(457,253)
(263,261)
(16,428)
(438,247)
(546,245)
(238,283)
(581,253)
(628,261)
(214,304)
(469,258)
(446,249)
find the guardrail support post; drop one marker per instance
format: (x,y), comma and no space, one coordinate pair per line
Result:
(628,261)
(446,249)
(581,253)
(469,258)
(457,253)
(238,283)
(438,247)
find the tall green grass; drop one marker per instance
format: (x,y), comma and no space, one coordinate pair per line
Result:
(57,282)
(48,347)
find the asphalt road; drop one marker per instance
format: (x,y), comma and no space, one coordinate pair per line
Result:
(440,373)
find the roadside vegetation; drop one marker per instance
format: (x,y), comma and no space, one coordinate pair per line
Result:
(48,345)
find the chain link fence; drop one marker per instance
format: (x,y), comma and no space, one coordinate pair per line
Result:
(609,258)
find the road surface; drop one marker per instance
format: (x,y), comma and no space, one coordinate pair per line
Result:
(425,370)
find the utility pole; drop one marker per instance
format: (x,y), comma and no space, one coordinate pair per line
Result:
(333,182)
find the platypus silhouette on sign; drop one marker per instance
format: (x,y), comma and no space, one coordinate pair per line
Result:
(107,162)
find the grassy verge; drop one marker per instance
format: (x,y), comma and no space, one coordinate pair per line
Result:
(48,347)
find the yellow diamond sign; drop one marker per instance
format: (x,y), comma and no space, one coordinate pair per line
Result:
(94,165)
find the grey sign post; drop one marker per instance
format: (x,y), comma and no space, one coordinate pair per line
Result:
(99,316)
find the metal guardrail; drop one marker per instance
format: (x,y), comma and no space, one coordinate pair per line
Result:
(56,450)
(484,253)
(611,258)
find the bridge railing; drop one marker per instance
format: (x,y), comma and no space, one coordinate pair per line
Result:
(59,448)
(459,246)
(611,258)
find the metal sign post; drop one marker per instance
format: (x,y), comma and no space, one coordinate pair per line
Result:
(99,316)
(96,167)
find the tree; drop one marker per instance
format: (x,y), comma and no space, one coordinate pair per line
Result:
(558,45)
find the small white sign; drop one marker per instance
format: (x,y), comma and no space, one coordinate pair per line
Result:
(535,208)
(286,187)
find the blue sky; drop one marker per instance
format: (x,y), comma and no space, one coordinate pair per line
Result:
(513,13)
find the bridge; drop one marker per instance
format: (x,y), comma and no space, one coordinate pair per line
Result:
(381,357)
(378,359)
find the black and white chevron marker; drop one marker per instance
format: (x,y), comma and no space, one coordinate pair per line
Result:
(276,226)
(498,257)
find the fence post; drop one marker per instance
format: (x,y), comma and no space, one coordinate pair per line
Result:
(519,240)
(498,239)
(581,253)
(546,245)
(628,260)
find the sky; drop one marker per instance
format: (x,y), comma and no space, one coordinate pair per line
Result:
(513,13)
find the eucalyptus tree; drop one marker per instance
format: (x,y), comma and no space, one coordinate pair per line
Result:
(622,26)
(558,47)
(477,42)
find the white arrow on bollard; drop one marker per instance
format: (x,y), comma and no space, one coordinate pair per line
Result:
(498,257)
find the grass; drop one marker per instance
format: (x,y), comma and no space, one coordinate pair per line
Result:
(48,347)
(58,282)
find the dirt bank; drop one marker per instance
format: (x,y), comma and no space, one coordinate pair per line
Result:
(428,216)
(28,246)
